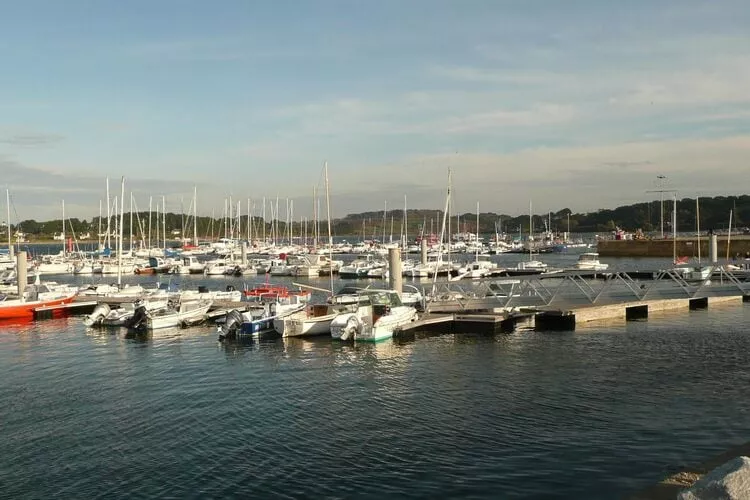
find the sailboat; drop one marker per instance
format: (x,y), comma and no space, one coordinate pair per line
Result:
(315,319)
(530,266)
(698,272)
(480,268)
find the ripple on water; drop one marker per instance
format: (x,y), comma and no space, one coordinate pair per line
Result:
(590,414)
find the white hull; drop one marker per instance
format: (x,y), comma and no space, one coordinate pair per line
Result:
(307,271)
(55,268)
(298,325)
(359,325)
(188,313)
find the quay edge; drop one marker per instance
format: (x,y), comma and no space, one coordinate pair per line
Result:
(688,247)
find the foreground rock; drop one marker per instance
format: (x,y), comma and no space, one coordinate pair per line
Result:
(730,481)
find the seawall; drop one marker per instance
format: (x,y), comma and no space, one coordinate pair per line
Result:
(686,247)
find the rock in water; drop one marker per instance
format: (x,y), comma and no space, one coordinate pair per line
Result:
(730,481)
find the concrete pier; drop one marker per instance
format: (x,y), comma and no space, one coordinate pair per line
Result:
(640,309)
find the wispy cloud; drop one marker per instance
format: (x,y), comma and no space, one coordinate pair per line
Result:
(31,140)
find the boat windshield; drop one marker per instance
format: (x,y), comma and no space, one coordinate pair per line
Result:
(387,298)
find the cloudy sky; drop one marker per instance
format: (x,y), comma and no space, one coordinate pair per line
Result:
(578,103)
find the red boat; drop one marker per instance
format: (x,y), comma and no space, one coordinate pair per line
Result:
(15,308)
(269,291)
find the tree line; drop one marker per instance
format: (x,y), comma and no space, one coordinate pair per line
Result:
(647,216)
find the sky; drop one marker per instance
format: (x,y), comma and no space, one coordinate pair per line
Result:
(576,104)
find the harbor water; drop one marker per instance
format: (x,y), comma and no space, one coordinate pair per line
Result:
(596,413)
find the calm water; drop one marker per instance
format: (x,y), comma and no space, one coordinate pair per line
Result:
(595,413)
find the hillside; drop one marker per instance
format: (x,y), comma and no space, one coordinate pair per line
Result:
(714,214)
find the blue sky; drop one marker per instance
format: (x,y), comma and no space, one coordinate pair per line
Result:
(576,104)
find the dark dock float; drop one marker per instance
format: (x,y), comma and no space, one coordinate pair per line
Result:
(76,307)
(483,323)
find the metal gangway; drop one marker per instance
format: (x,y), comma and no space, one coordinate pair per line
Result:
(571,289)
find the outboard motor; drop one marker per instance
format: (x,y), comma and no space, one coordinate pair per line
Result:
(351,329)
(232,324)
(139,318)
(96,317)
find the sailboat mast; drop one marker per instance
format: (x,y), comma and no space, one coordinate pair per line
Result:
(531,231)
(119,247)
(99,234)
(385,212)
(476,243)
(729,233)
(131,222)
(698,227)
(406,226)
(164,220)
(315,217)
(63,227)
(674,230)
(10,242)
(195,215)
(330,237)
(109,216)
(264,220)
(150,202)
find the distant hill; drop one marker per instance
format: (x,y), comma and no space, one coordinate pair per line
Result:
(714,213)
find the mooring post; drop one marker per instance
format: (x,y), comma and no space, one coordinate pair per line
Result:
(21,272)
(714,251)
(423,249)
(394,270)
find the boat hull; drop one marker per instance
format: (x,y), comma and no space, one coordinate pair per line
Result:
(26,309)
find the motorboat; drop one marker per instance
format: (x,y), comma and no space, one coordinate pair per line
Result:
(479,268)
(348,295)
(113,290)
(34,297)
(378,315)
(190,265)
(527,267)
(358,268)
(313,320)
(589,261)
(183,313)
(104,315)
(230,294)
(217,267)
(259,318)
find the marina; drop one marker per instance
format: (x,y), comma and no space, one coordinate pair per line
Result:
(277,323)
(375,250)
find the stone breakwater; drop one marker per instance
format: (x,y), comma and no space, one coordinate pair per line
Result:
(679,483)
